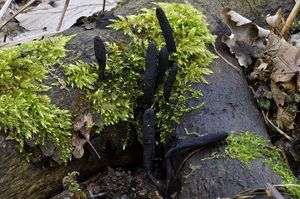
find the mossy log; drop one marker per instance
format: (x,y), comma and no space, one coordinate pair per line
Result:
(228,107)
(42,177)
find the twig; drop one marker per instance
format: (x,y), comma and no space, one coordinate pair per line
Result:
(228,62)
(277,129)
(290,19)
(287,185)
(272,192)
(103,6)
(93,148)
(4,8)
(63,15)
(18,12)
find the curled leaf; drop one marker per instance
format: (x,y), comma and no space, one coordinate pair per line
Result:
(78,143)
(285,117)
(83,124)
(247,40)
(276,21)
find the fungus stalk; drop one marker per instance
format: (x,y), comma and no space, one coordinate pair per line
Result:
(150,73)
(166,29)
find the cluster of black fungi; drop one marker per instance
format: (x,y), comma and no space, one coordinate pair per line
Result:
(156,65)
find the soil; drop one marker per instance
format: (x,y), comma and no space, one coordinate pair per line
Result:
(117,184)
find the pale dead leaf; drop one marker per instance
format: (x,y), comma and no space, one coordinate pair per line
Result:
(278,94)
(47,15)
(285,61)
(276,21)
(83,124)
(78,143)
(285,118)
(247,39)
(288,87)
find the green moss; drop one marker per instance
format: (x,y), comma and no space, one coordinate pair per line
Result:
(27,114)
(126,64)
(80,75)
(24,112)
(248,146)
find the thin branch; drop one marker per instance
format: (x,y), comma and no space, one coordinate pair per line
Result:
(94,149)
(4,8)
(103,6)
(277,129)
(228,62)
(290,19)
(272,192)
(63,15)
(18,12)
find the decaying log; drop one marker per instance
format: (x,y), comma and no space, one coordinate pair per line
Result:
(228,107)
(42,178)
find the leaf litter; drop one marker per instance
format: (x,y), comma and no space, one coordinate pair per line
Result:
(274,62)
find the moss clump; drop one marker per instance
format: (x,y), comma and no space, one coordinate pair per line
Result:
(25,114)
(80,75)
(248,146)
(125,64)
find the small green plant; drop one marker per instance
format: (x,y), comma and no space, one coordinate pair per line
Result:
(248,146)
(70,183)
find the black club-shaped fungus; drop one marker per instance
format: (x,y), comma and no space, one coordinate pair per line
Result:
(188,145)
(166,29)
(148,130)
(193,143)
(100,53)
(170,81)
(163,62)
(150,74)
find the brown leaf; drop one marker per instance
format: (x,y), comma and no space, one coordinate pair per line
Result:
(288,87)
(260,71)
(78,152)
(247,39)
(298,82)
(78,143)
(285,62)
(285,118)
(278,95)
(276,21)
(83,124)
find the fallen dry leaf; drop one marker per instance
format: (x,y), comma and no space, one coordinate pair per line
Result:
(78,143)
(278,95)
(285,118)
(276,21)
(247,39)
(285,60)
(83,124)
